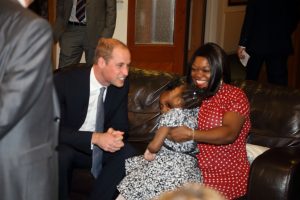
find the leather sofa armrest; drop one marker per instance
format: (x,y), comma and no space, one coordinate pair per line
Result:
(275,174)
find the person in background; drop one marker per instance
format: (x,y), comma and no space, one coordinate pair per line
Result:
(78,89)
(223,124)
(165,165)
(192,191)
(79,25)
(266,37)
(29,111)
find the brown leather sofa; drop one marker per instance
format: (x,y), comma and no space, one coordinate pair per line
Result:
(275,117)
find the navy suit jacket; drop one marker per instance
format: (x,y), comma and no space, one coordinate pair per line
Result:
(268,26)
(73,87)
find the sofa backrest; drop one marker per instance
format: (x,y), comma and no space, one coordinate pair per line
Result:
(143,102)
(275,114)
(275,111)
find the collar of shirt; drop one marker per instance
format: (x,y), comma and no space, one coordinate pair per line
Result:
(90,120)
(73,17)
(95,85)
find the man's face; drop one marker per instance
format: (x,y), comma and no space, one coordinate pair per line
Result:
(115,70)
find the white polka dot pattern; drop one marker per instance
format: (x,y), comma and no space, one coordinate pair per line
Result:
(225,167)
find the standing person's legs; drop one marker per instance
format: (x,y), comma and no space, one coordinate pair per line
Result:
(89,56)
(113,171)
(89,53)
(277,69)
(69,159)
(254,66)
(71,45)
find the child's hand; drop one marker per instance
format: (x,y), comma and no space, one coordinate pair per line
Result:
(149,156)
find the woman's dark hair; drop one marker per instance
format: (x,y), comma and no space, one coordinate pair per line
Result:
(219,67)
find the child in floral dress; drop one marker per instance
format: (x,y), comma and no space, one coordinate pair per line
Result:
(165,164)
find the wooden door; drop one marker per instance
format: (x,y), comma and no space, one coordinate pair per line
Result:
(148,53)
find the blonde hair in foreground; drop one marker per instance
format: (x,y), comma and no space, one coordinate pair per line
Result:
(192,191)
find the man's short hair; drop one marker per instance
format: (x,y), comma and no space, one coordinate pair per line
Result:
(105,48)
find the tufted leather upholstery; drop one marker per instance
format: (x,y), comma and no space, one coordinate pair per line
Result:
(275,117)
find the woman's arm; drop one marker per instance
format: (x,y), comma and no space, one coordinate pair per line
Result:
(224,134)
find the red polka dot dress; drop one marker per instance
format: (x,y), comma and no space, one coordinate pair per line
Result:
(225,167)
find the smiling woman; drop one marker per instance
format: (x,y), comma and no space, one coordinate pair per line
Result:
(223,124)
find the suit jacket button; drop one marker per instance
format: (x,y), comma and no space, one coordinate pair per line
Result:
(57,119)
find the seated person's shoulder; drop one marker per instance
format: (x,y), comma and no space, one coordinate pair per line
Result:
(74,68)
(235,91)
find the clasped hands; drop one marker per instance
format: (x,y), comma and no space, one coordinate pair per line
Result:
(110,141)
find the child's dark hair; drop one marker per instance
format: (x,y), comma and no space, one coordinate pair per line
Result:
(175,83)
(192,96)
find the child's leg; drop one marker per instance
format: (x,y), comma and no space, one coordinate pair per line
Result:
(120,197)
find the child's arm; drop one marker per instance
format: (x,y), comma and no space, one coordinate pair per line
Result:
(158,140)
(156,143)
(149,156)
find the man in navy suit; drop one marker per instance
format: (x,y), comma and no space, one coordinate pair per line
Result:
(266,37)
(78,90)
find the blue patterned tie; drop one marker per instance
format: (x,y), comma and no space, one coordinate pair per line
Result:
(80,10)
(97,152)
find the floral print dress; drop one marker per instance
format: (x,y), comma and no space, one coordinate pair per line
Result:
(174,165)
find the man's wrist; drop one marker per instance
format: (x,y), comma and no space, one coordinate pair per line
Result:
(95,137)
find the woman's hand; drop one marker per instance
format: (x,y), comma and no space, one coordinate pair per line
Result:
(180,134)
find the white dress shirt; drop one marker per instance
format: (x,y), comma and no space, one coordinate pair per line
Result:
(73,17)
(90,120)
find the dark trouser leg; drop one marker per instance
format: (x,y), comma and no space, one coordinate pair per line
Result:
(254,66)
(112,173)
(277,69)
(69,159)
(71,45)
(89,55)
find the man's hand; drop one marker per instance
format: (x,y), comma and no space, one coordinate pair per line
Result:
(240,52)
(110,141)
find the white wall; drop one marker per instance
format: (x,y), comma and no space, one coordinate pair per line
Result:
(223,24)
(121,26)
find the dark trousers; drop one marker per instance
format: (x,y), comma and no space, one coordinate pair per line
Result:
(276,66)
(73,43)
(104,187)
